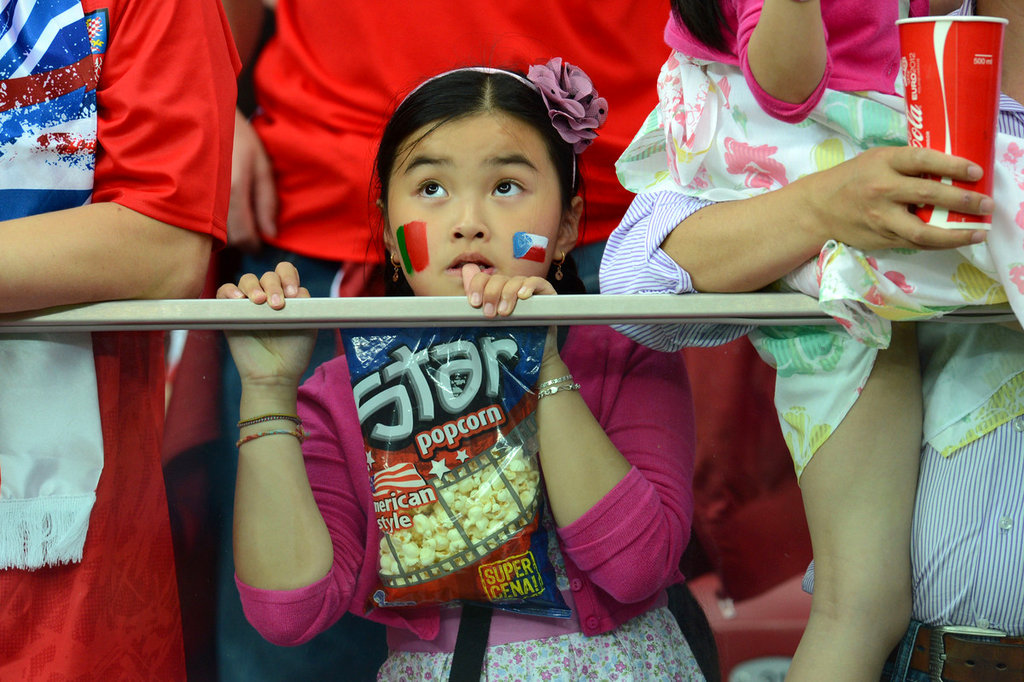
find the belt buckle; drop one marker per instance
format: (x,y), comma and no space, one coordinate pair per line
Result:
(937,648)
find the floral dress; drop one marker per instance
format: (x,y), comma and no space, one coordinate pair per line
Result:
(710,139)
(647,647)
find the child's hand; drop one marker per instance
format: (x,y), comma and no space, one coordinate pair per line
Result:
(498,294)
(270,358)
(274,287)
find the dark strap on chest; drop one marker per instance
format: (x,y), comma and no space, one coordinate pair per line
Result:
(470,644)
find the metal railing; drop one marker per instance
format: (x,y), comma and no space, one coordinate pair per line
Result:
(316,313)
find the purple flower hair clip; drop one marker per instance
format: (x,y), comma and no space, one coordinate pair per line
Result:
(575,108)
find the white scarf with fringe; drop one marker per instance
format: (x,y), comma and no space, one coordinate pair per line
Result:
(51,441)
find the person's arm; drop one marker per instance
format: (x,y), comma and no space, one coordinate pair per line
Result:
(68,257)
(147,232)
(253,208)
(787,54)
(300,520)
(580,463)
(638,472)
(634,263)
(579,471)
(747,244)
(1013,43)
(280,539)
(288,604)
(618,481)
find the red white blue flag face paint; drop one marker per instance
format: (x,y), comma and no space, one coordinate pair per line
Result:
(527,246)
(412,245)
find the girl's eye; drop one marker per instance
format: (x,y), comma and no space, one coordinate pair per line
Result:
(507,188)
(432,190)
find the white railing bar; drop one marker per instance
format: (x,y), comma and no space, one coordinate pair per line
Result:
(316,313)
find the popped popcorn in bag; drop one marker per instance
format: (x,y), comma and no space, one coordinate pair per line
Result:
(447,417)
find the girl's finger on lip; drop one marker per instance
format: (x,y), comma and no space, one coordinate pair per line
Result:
(469,271)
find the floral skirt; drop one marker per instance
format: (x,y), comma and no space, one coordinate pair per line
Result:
(648,647)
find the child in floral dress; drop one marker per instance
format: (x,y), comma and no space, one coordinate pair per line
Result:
(736,119)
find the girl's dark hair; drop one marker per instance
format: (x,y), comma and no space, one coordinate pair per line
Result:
(464,93)
(704,19)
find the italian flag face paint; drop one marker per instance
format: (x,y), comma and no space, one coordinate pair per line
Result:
(412,245)
(529,246)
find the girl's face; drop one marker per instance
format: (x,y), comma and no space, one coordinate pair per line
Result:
(480,189)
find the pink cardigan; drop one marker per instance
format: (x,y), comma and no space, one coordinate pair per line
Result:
(863,49)
(619,556)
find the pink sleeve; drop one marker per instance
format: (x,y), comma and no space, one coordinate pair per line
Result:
(290,617)
(634,537)
(747,13)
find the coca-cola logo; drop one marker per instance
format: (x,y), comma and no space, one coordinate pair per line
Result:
(915,128)
(910,66)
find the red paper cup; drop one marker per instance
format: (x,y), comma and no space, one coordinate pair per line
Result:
(951,71)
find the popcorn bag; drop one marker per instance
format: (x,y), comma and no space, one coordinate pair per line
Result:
(447,417)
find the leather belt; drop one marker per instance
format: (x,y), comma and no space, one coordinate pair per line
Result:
(965,654)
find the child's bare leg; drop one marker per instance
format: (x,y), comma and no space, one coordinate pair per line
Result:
(858,492)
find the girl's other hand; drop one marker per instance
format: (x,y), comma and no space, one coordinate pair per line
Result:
(498,294)
(270,358)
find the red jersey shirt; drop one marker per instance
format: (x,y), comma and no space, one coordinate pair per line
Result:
(333,72)
(165,101)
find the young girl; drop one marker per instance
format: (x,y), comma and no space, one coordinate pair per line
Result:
(475,157)
(739,117)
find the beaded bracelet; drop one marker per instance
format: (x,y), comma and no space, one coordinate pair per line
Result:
(545,392)
(270,417)
(552,382)
(298,432)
